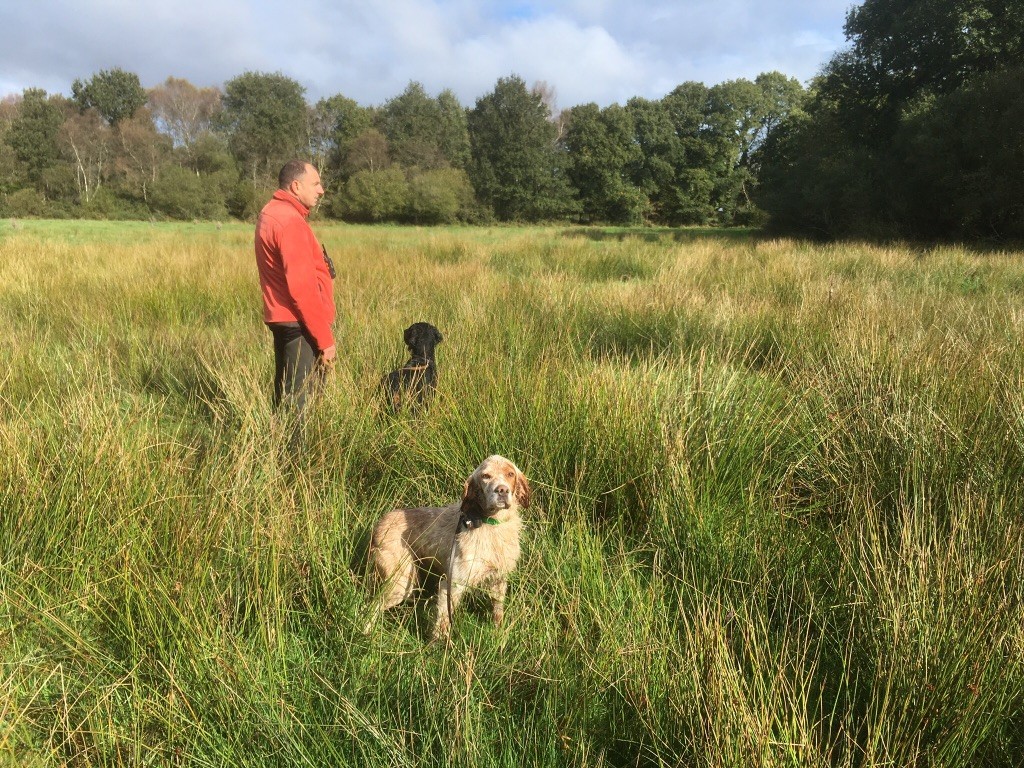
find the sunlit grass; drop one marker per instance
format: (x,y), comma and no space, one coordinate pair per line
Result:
(777,486)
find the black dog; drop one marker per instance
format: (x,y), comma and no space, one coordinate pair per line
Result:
(415,381)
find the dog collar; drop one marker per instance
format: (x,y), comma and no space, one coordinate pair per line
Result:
(469,522)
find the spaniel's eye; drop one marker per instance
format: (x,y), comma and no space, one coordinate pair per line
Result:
(486,476)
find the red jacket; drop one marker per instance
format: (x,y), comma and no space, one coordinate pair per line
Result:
(296,283)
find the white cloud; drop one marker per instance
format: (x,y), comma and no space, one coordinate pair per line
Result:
(588,50)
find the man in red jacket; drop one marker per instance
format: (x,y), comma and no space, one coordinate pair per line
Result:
(297,281)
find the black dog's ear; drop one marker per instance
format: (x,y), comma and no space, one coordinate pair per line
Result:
(471,504)
(410,335)
(438,338)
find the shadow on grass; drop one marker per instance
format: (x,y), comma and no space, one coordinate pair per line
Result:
(193,386)
(755,343)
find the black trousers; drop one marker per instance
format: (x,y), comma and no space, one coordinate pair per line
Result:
(297,369)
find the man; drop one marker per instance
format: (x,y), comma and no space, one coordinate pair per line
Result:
(298,287)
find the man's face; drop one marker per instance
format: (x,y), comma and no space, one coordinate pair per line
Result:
(307,188)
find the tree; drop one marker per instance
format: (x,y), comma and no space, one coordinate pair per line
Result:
(367,152)
(734,119)
(141,151)
(902,49)
(412,124)
(653,168)
(695,156)
(840,169)
(264,116)
(87,144)
(33,133)
(516,168)
(115,94)
(781,96)
(454,130)
(601,151)
(548,96)
(962,160)
(334,124)
(182,194)
(184,112)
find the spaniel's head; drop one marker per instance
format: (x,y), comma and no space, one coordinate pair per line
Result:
(496,485)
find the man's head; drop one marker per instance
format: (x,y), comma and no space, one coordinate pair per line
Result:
(302,180)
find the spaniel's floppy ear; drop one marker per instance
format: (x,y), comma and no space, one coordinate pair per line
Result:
(523,492)
(471,497)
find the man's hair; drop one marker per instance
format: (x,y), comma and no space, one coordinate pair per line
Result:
(293,169)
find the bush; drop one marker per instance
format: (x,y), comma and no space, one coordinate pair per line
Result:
(183,194)
(107,204)
(25,203)
(243,201)
(376,195)
(440,197)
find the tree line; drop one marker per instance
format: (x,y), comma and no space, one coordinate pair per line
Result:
(916,129)
(116,150)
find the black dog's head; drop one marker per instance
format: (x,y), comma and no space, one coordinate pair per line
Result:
(415,381)
(421,338)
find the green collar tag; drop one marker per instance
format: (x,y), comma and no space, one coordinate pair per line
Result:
(492,521)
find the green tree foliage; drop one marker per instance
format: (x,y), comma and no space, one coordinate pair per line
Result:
(741,115)
(902,49)
(516,167)
(12,177)
(424,132)
(454,130)
(23,203)
(601,153)
(411,122)
(33,133)
(264,116)
(867,153)
(87,145)
(653,169)
(963,160)
(369,151)
(114,93)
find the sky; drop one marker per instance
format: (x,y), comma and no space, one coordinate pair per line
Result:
(602,51)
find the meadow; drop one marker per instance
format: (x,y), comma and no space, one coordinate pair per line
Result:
(777,512)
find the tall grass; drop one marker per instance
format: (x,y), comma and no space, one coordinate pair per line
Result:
(777,512)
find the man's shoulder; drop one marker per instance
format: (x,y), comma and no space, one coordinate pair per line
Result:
(279,213)
(280,208)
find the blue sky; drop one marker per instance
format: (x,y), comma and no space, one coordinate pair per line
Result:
(602,51)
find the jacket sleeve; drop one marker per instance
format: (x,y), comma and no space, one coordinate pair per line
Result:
(300,268)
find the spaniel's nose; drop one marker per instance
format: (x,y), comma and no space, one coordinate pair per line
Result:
(502,490)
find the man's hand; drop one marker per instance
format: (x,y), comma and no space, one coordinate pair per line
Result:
(328,355)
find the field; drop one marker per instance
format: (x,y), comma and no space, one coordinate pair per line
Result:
(777,519)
